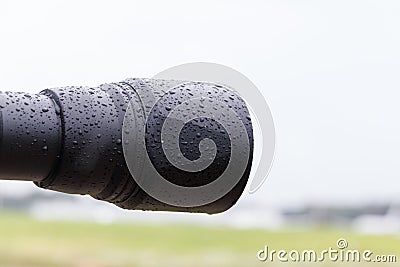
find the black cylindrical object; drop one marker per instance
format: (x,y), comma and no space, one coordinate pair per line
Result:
(70,140)
(30,137)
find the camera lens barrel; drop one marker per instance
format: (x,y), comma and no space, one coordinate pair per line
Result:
(71,140)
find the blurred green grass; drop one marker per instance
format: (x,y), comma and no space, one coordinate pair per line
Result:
(28,242)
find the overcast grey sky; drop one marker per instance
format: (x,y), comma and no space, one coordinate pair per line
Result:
(328,69)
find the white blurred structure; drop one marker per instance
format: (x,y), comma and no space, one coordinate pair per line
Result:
(374,224)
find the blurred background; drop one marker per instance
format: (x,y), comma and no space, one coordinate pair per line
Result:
(329,71)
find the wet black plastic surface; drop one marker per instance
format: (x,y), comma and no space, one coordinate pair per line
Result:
(70,140)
